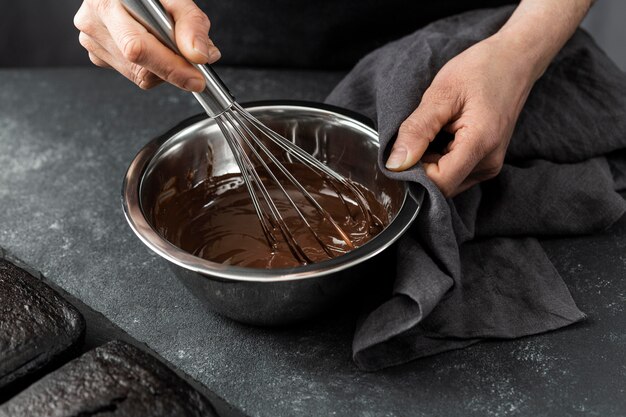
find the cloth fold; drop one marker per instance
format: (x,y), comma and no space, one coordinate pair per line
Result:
(471,267)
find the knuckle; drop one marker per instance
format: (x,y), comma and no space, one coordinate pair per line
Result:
(494,172)
(171,75)
(148,80)
(133,47)
(138,75)
(491,171)
(484,142)
(81,20)
(491,143)
(101,6)
(411,126)
(147,84)
(199,18)
(143,84)
(479,150)
(493,167)
(142,78)
(85,40)
(488,168)
(78,20)
(151,81)
(440,94)
(446,189)
(97,61)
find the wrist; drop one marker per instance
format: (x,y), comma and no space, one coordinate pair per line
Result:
(515,59)
(529,59)
(538,29)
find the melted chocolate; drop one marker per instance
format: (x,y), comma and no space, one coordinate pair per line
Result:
(215,220)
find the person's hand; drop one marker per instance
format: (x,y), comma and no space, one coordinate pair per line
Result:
(477,96)
(115,40)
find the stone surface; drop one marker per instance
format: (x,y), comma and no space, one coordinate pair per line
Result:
(67,137)
(116,379)
(36,324)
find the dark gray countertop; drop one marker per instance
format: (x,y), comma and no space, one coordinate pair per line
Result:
(66,139)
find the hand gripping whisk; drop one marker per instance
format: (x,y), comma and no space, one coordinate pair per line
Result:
(250,142)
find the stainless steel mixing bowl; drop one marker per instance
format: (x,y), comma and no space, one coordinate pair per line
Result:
(278,296)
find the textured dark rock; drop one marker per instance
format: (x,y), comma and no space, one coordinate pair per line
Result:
(116,379)
(36,323)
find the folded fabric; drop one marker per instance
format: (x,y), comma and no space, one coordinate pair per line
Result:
(471,268)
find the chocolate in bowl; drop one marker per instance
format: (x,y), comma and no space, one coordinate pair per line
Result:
(216,220)
(195,152)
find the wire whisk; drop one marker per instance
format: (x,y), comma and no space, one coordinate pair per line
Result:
(254,147)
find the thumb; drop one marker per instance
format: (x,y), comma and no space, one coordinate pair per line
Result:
(419,129)
(191,31)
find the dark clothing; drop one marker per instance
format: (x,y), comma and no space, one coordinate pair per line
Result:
(329,34)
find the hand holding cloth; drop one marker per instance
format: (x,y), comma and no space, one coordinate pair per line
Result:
(471,267)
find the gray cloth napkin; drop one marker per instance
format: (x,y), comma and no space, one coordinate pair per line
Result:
(471,268)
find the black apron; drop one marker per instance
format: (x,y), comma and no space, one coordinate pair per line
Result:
(321,34)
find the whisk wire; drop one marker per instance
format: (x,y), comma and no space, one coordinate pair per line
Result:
(309,161)
(249,134)
(246,166)
(247,181)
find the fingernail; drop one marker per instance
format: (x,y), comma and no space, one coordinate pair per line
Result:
(201,46)
(397,158)
(194,84)
(214,54)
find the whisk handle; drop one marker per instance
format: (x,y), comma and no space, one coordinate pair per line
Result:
(215,98)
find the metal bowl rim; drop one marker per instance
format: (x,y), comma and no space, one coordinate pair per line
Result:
(134,214)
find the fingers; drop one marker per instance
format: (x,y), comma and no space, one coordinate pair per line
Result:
(453,167)
(97,61)
(98,55)
(474,155)
(114,39)
(467,162)
(106,55)
(141,52)
(192,28)
(479,175)
(420,128)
